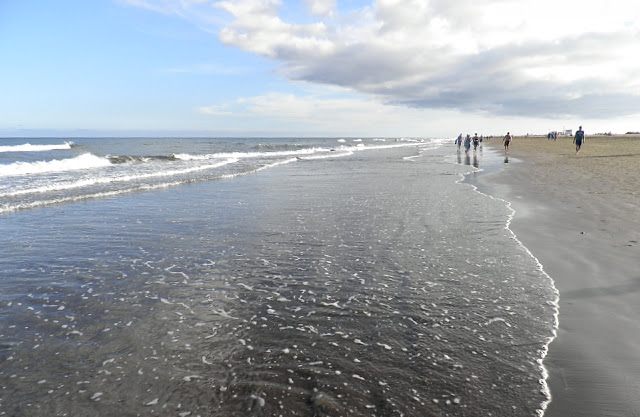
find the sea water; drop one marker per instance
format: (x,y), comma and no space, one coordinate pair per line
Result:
(264,277)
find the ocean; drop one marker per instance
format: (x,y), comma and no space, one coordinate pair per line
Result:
(264,277)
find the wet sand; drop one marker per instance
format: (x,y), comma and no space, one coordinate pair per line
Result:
(580,216)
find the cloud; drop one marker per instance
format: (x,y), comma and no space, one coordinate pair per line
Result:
(321,114)
(321,7)
(335,112)
(542,58)
(259,29)
(216,110)
(519,57)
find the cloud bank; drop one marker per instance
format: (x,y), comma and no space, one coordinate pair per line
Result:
(538,58)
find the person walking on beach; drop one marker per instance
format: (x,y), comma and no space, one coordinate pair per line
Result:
(467,144)
(476,142)
(578,139)
(507,140)
(459,141)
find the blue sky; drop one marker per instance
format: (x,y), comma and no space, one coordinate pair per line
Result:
(317,67)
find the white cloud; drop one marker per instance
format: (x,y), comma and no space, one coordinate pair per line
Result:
(339,115)
(316,110)
(320,114)
(259,29)
(216,110)
(321,7)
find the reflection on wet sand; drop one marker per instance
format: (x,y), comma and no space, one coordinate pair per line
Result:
(474,158)
(468,160)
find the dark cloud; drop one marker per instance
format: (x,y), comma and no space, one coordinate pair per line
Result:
(495,81)
(458,55)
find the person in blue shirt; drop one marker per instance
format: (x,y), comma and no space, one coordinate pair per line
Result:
(579,139)
(467,143)
(459,141)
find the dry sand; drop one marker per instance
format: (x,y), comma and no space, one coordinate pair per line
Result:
(580,216)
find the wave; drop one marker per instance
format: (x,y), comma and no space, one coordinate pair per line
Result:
(308,152)
(88,182)
(130,173)
(277,147)
(8,208)
(84,161)
(88,160)
(70,199)
(242,155)
(27,147)
(123,159)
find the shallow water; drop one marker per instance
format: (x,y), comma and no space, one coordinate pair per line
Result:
(370,284)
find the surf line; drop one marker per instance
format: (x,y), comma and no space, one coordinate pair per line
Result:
(556,302)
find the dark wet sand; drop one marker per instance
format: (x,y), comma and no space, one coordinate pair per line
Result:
(580,216)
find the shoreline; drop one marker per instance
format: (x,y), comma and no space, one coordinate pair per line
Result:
(579,215)
(482,188)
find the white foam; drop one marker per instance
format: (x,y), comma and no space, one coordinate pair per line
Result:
(497,319)
(84,161)
(312,153)
(223,313)
(71,199)
(250,155)
(101,180)
(27,147)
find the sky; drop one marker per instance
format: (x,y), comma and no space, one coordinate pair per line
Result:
(354,68)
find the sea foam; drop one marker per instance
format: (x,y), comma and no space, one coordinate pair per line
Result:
(84,161)
(27,147)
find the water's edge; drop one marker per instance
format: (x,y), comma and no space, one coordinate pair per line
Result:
(485,187)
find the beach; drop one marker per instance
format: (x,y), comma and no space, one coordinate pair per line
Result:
(579,215)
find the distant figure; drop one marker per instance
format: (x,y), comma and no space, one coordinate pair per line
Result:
(476,142)
(578,139)
(507,140)
(459,141)
(467,143)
